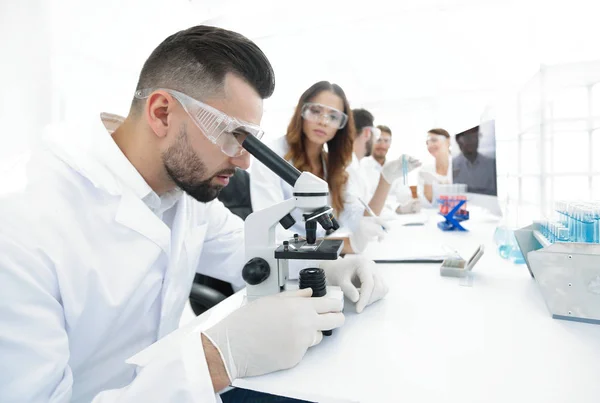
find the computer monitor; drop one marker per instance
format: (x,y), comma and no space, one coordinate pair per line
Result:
(474,164)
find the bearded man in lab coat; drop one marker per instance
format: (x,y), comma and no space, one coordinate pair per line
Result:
(100,242)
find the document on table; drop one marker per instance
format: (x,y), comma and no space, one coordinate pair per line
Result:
(406,246)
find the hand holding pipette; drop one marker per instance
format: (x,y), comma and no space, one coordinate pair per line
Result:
(400,167)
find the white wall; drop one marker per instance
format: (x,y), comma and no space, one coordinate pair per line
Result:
(25,70)
(414,64)
(70,59)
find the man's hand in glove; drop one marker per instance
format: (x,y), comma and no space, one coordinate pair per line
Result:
(358,278)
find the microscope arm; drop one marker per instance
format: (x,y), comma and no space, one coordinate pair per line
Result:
(259,228)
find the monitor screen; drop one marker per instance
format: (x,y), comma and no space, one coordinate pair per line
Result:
(474,159)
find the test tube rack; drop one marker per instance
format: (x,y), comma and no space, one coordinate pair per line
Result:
(454,217)
(568,274)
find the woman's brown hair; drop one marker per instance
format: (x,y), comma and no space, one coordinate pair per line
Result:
(339,148)
(440,132)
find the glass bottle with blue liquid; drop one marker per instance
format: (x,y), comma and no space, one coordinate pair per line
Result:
(505,240)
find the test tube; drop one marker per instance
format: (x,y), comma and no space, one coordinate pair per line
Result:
(597,223)
(544,229)
(404,169)
(562,212)
(587,225)
(571,222)
(563,234)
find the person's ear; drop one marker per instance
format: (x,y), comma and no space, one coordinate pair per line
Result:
(158,110)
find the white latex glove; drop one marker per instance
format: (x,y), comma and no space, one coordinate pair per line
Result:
(355,271)
(274,332)
(410,207)
(392,170)
(369,228)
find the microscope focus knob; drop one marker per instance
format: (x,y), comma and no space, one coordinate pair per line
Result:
(255,271)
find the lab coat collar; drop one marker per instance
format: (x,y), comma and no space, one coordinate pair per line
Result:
(88,149)
(111,156)
(118,164)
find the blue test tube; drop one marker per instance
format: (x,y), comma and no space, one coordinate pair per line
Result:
(597,224)
(577,223)
(587,225)
(544,228)
(572,223)
(563,213)
(563,234)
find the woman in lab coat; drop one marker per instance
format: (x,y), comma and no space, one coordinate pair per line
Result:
(319,140)
(439,172)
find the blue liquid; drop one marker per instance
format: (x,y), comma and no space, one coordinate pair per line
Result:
(572,230)
(588,231)
(504,251)
(516,256)
(507,245)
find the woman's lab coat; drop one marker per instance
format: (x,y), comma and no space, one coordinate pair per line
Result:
(439,179)
(267,189)
(90,277)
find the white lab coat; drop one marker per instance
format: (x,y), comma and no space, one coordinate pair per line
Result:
(440,179)
(372,170)
(267,189)
(358,182)
(90,276)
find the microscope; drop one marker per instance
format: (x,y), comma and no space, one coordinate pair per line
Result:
(267,264)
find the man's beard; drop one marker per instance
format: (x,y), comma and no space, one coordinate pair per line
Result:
(185,168)
(379,156)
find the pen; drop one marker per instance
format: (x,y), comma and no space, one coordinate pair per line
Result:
(369,211)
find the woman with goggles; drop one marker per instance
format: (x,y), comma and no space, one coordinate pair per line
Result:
(319,140)
(438,145)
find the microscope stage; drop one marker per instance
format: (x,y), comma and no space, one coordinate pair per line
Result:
(323,249)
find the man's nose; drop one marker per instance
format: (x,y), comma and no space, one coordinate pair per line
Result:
(242,161)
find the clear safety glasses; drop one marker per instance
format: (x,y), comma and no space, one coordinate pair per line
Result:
(434,139)
(331,117)
(384,140)
(376,133)
(227,132)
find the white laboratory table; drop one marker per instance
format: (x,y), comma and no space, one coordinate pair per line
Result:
(433,340)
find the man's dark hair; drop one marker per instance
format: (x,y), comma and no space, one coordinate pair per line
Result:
(195,61)
(473,130)
(385,129)
(362,118)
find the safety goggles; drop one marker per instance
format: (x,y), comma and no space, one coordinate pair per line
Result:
(434,139)
(223,130)
(387,140)
(375,133)
(330,116)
